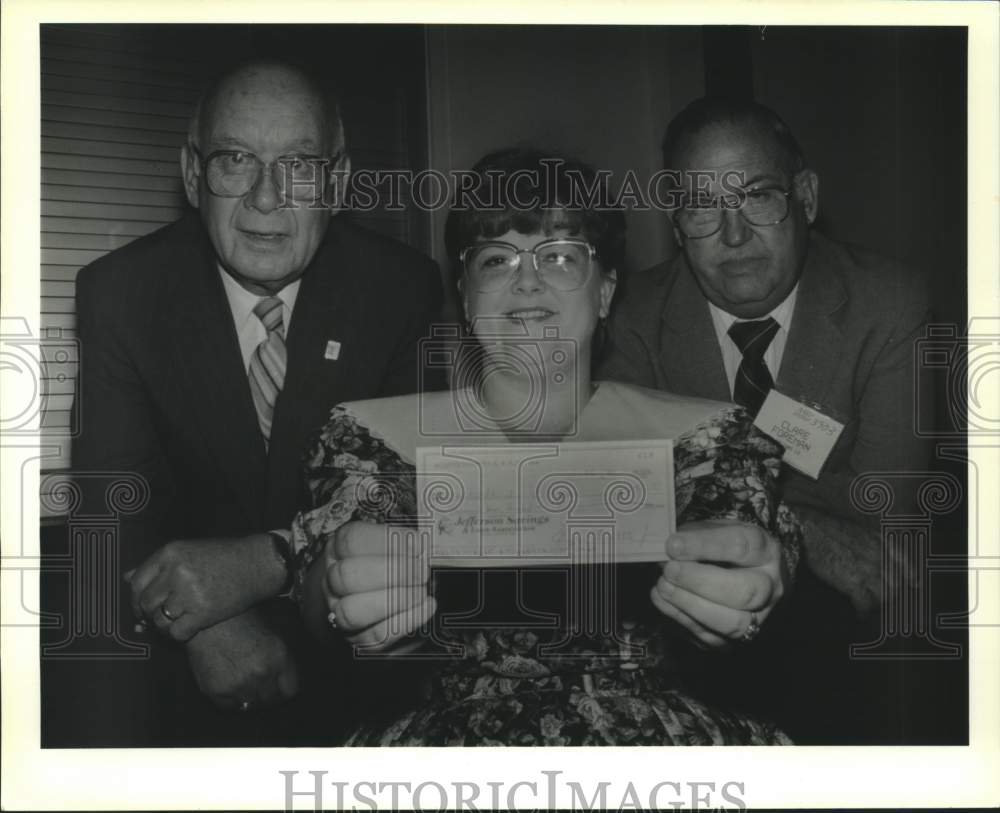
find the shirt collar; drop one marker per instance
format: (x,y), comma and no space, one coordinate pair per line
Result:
(242,302)
(782,314)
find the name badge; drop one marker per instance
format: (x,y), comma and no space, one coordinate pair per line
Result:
(806,433)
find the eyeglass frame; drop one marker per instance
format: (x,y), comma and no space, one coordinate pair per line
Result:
(264,165)
(534,259)
(786,193)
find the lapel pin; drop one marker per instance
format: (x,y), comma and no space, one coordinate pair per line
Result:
(332,352)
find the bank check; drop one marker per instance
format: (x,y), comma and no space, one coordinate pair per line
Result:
(544,504)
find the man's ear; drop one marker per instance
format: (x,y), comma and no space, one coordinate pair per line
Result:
(807,191)
(190,172)
(339,175)
(609,281)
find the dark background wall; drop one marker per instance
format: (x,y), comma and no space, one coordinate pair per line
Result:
(602,94)
(881,114)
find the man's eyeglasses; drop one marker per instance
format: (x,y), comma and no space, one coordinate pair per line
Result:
(562,264)
(233,173)
(764,206)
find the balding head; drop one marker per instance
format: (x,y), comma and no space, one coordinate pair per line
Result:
(279,79)
(746,259)
(265,237)
(713,112)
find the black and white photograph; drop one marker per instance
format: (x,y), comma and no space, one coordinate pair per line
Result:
(512,391)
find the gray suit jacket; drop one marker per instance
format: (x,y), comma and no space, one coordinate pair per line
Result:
(850,349)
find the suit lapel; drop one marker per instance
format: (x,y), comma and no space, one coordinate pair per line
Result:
(212,382)
(815,339)
(690,357)
(322,314)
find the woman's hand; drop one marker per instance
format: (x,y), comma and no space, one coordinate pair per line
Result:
(190,585)
(722,581)
(375,583)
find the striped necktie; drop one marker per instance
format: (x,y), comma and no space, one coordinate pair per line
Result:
(267,364)
(753,379)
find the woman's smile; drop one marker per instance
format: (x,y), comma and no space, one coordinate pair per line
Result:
(530,314)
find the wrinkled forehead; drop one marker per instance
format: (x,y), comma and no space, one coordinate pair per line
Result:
(269,105)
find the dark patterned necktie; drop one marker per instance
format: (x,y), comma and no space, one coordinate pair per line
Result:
(267,364)
(753,379)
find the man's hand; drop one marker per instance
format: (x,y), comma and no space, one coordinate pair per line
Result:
(375,595)
(189,586)
(722,581)
(848,556)
(243,663)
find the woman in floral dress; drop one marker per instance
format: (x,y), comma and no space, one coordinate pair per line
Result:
(582,654)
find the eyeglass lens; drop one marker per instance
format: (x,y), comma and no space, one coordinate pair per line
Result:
(234,174)
(760,207)
(564,266)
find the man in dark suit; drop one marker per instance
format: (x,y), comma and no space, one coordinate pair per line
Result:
(831,326)
(211,349)
(757,300)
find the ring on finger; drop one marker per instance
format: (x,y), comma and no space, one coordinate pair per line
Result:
(167,614)
(752,630)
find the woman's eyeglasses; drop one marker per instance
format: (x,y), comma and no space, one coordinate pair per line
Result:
(563,264)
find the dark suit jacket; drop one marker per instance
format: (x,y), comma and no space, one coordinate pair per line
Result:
(163,390)
(163,393)
(850,349)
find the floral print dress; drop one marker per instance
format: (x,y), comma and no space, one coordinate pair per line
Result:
(535,683)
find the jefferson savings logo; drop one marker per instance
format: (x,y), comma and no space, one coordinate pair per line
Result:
(499,525)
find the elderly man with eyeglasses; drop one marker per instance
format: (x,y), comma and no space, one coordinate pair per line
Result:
(210,350)
(757,300)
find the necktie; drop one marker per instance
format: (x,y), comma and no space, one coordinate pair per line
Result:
(267,364)
(753,380)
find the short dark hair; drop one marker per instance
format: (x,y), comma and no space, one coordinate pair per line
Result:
(710,111)
(546,181)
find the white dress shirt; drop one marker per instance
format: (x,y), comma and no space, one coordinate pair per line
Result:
(249,328)
(731,355)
